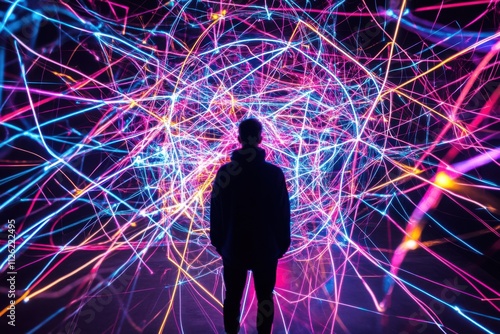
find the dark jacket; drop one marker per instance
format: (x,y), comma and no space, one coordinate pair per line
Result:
(250,209)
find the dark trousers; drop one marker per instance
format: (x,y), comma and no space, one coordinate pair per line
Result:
(235,276)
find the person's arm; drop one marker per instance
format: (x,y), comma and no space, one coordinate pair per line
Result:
(216,217)
(284,238)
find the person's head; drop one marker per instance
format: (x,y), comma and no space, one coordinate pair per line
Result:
(250,132)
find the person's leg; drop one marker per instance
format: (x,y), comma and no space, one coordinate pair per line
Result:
(235,277)
(264,276)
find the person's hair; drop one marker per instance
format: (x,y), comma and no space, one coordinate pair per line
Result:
(250,131)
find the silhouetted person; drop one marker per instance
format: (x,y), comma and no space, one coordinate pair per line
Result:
(250,226)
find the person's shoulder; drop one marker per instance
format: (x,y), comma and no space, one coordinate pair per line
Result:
(227,164)
(273,168)
(224,165)
(271,165)
(232,167)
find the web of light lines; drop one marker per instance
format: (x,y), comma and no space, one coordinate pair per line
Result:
(115,121)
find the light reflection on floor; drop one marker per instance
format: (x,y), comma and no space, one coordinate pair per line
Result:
(138,301)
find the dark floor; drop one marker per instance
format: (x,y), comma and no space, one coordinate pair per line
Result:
(323,292)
